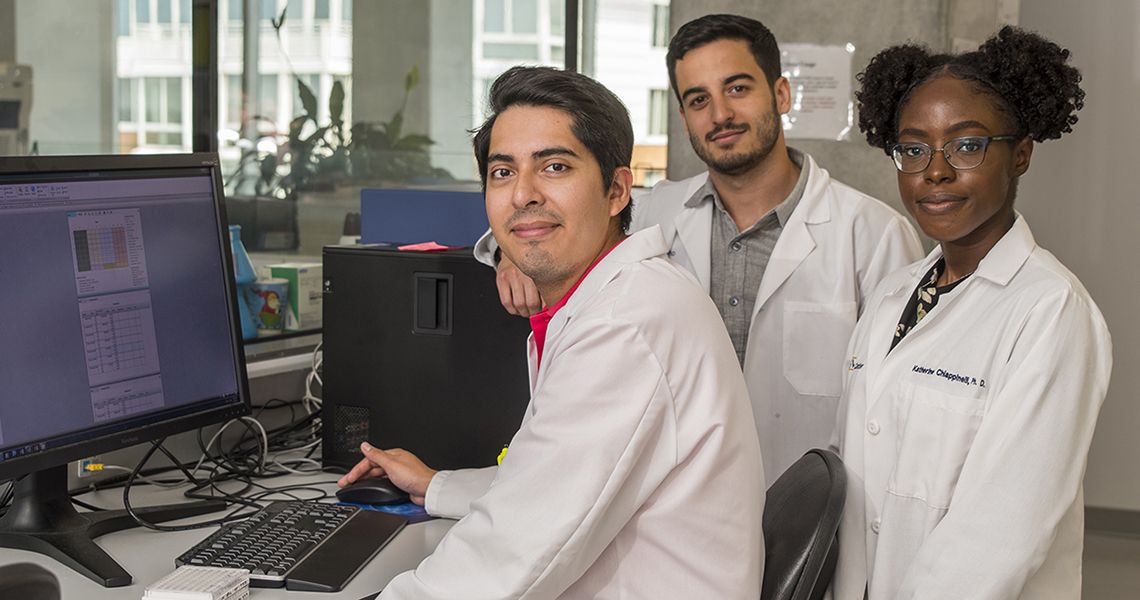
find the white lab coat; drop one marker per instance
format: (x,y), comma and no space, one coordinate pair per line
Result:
(966,445)
(835,248)
(635,473)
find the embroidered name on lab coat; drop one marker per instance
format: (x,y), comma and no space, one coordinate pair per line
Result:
(963,379)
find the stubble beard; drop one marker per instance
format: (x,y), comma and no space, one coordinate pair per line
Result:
(767,129)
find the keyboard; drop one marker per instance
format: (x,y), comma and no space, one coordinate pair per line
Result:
(298,545)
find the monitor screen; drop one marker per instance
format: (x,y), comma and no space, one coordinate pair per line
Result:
(116,305)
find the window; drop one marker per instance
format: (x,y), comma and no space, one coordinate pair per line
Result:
(660,25)
(558,17)
(152,99)
(268,9)
(162,110)
(524,16)
(142,11)
(123,17)
(495,16)
(658,112)
(321,9)
(163,12)
(621,50)
(127,99)
(184,11)
(232,115)
(174,100)
(267,88)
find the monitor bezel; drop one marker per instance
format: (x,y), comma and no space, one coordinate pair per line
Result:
(107,442)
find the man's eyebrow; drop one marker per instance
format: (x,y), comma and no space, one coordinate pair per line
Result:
(696,89)
(554,151)
(727,80)
(738,77)
(507,158)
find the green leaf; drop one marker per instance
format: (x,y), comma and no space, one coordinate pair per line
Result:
(308,99)
(336,102)
(412,79)
(413,142)
(268,169)
(393,127)
(295,129)
(279,22)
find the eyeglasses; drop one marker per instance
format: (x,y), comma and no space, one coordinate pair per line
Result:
(961,153)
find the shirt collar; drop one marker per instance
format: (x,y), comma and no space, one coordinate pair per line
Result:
(784,210)
(541,321)
(1001,263)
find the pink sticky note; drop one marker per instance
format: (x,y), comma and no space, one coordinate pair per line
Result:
(425,247)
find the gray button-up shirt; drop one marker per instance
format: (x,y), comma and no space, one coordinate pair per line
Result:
(739,258)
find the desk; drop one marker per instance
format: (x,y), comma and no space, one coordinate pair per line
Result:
(149,555)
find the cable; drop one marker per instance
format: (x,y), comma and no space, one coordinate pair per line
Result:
(232,516)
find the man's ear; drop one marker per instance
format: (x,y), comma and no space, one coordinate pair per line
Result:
(620,190)
(782,91)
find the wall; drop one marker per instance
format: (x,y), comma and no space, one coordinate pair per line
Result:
(82,68)
(1085,208)
(7,30)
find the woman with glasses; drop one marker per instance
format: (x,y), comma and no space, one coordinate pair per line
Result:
(976,374)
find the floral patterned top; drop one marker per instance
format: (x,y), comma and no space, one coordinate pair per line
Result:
(923,300)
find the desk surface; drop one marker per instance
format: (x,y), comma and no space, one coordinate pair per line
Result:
(149,555)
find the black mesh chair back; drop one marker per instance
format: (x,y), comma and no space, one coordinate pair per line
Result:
(28,581)
(801,518)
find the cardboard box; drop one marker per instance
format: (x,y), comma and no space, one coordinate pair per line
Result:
(305,293)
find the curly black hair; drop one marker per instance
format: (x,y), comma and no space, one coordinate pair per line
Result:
(1027,75)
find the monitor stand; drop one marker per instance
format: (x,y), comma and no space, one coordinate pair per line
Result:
(42,519)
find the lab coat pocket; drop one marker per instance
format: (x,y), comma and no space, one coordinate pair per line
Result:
(936,430)
(815,345)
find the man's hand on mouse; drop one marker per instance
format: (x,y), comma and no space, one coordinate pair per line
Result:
(405,470)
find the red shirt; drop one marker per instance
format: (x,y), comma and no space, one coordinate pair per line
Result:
(540,321)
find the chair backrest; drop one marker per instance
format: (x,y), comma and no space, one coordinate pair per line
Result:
(801,518)
(28,581)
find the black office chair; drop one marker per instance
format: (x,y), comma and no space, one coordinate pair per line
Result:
(801,518)
(28,581)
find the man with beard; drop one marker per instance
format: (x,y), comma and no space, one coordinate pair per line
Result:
(786,253)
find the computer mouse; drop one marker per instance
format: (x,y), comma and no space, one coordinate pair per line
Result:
(375,490)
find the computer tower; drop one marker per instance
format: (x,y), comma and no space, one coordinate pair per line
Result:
(419,354)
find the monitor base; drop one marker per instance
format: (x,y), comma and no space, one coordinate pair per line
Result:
(42,519)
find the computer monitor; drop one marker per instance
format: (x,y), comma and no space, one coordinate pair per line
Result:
(118,325)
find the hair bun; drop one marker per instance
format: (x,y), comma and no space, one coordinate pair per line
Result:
(1033,74)
(884,83)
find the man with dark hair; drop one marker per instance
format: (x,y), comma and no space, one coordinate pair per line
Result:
(786,253)
(636,472)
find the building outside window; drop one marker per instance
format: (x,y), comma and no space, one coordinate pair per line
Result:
(660,25)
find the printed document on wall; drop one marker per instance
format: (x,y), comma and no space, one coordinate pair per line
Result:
(820,77)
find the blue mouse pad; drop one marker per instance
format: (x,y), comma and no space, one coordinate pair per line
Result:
(411,511)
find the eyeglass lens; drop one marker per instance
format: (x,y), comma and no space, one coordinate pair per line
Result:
(961,153)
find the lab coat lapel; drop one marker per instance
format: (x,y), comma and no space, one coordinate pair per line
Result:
(640,246)
(795,242)
(886,320)
(694,231)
